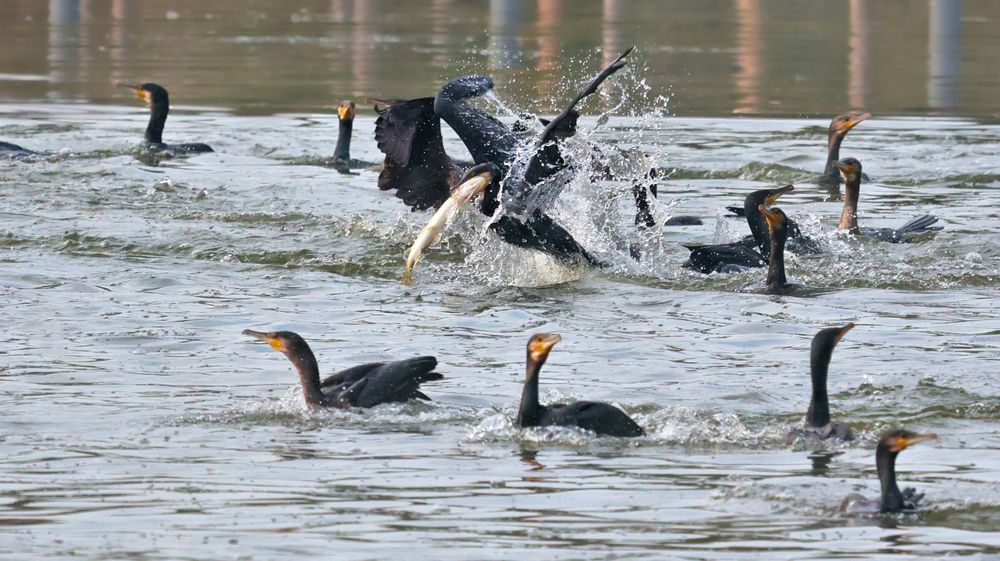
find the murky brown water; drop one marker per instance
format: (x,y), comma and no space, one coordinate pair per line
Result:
(782,57)
(139,423)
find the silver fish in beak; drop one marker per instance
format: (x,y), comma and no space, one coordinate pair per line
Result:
(473,184)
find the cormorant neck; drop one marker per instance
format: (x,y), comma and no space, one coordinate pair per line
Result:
(527,413)
(758,227)
(776,262)
(343,149)
(157,117)
(818,414)
(885,462)
(833,153)
(305,363)
(849,216)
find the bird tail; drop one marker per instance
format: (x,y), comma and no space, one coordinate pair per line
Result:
(423,367)
(919,224)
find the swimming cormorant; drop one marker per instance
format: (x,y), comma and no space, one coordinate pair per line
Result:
(158,101)
(342,160)
(850,168)
(777,226)
(892,500)
(818,425)
(731,256)
(839,127)
(596,416)
(365,385)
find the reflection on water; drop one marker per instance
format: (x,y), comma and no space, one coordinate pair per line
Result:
(860,67)
(749,56)
(944,53)
(719,56)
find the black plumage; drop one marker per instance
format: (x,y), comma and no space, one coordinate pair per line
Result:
(365,385)
(850,168)
(818,425)
(601,418)
(892,499)
(158,100)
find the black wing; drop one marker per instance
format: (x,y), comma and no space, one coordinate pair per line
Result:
(602,418)
(350,375)
(542,233)
(397,381)
(547,161)
(416,165)
(720,257)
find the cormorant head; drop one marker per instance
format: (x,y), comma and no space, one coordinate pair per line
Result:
(830,336)
(289,343)
(843,123)
(824,341)
(777,222)
(152,94)
(345,111)
(488,171)
(895,441)
(850,168)
(768,197)
(540,345)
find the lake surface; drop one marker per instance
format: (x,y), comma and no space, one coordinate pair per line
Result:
(140,424)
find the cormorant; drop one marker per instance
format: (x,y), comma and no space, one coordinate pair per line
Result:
(423,175)
(850,168)
(892,500)
(342,160)
(754,252)
(158,101)
(365,385)
(839,127)
(818,425)
(596,416)
(777,225)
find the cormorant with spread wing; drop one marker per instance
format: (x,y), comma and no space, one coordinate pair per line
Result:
(422,174)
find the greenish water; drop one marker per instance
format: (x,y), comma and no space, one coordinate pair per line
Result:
(140,424)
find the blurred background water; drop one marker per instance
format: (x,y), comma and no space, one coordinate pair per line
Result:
(716,57)
(139,423)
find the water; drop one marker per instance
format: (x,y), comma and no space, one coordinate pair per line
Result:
(140,424)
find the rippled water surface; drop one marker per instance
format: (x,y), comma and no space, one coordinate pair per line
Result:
(140,424)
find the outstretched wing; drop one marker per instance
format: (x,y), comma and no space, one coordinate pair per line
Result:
(416,165)
(546,161)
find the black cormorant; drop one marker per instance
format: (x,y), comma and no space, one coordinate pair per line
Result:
(850,168)
(158,101)
(818,425)
(839,127)
(732,256)
(892,500)
(602,418)
(342,160)
(365,385)
(423,175)
(777,226)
